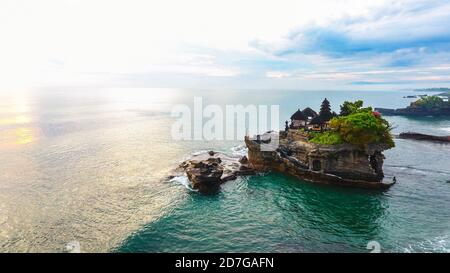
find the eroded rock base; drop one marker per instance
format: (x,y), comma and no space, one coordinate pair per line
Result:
(207,171)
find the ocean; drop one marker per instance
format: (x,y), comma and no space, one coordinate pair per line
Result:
(90,165)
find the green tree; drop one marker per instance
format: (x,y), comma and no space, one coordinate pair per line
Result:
(348,108)
(362,128)
(429,102)
(325,111)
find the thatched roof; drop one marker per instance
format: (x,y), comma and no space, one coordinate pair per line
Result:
(316,121)
(298,116)
(308,112)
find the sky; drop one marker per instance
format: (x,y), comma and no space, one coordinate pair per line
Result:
(246,44)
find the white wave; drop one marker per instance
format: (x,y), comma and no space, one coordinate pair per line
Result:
(188,156)
(199,152)
(447,129)
(183,180)
(239,150)
(437,244)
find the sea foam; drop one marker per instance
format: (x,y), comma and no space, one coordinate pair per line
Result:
(183,180)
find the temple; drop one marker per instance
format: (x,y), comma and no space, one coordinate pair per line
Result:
(312,148)
(342,164)
(310,120)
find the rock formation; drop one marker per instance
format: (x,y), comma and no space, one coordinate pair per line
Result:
(414,112)
(419,136)
(205,175)
(426,106)
(207,171)
(344,164)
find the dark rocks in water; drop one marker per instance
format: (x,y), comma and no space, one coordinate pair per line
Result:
(205,175)
(229,176)
(425,137)
(387,111)
(211,153)
(243,160)
(206,172)
(414,112)
(214,160)
(245,170)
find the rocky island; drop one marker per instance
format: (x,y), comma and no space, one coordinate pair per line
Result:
(324,147)
(437,105)
(342,164)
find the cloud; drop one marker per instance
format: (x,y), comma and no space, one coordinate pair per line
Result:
(286,43)
(277,74)
(401,42)
(399,29)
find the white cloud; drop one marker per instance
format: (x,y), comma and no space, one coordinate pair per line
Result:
(50,41)
(277,74)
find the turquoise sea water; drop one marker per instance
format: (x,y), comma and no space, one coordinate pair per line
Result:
(90,166)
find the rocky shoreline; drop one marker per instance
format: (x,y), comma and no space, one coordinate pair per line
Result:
(424,137)
(414,112)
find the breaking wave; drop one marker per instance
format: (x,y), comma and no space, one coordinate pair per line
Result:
(437,244)
(447,129)
(239,150)
(183,180)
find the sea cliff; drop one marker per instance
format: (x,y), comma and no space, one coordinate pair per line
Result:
(343,164)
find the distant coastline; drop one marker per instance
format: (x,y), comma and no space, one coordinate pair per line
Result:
(435,105)
(433,89)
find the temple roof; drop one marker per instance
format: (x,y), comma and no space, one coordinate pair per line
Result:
(298,116)
(316,120)
(308,112)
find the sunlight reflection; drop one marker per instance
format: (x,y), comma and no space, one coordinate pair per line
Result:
(16,116)
(24,136)
(16,137)
(15,120)
(157,99)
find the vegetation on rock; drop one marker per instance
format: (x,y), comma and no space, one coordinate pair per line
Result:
(326,138)
(348,108)
(430,102)
(362,128)
(356,125)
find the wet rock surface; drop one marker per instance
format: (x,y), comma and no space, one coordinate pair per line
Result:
(208,170)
